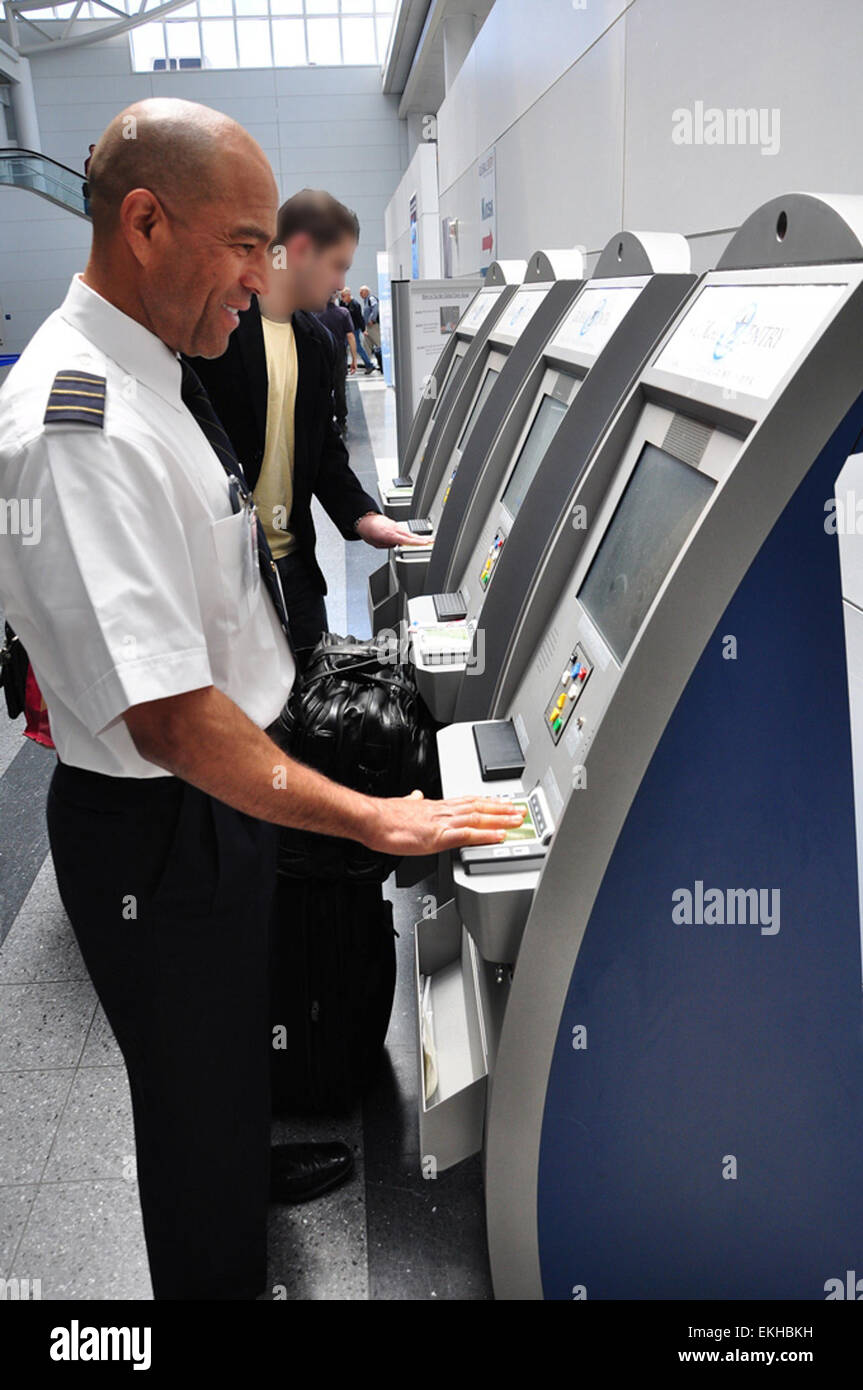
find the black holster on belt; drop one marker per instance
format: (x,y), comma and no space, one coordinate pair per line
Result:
(14,664)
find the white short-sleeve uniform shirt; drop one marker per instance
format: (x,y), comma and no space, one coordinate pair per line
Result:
(123,567)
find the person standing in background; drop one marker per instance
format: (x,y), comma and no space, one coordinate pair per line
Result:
(85,186)
(371,319)
(273,393)
(339,322)
(355,309)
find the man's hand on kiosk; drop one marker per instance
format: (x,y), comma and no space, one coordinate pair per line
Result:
(383,533)
(413,825)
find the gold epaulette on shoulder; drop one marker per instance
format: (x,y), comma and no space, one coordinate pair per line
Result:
(76,398)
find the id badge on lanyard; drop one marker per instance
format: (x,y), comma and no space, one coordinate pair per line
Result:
(245,502)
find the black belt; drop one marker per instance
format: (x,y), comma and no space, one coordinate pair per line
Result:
(99,788)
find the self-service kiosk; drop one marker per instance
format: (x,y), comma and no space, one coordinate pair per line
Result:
(397,491)
(499,358)
(533,463)
(673,1026)
(496,374)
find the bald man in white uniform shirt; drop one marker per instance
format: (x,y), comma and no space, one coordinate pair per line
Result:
(158,637)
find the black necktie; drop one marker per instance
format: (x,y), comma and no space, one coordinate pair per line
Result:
(200,406)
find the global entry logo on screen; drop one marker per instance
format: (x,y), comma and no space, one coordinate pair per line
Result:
(593,318)
(726,342)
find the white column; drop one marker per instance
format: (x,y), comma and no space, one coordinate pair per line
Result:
(459,32)
(24,106)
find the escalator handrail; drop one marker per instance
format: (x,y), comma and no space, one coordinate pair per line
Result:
(8,151)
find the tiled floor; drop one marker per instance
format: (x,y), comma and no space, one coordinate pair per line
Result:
(69,1210)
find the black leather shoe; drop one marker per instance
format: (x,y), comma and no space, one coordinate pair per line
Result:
(300,1172)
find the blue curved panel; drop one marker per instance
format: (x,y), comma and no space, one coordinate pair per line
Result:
(707,1143)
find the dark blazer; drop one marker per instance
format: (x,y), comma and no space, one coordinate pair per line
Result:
(355,309)
(237,386)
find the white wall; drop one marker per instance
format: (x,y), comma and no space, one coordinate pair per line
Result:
(320,127)
(420,180)
(578,99)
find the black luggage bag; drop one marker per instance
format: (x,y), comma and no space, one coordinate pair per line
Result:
(334,975)
(355,714)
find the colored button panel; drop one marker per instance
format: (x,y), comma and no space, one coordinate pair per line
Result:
(569,688)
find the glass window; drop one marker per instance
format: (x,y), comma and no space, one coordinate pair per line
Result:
(324,45)
(289,42)
(384,29)
(358,40)
(184,40)
(220,49)
(148,44)
(253,42)
(326,32)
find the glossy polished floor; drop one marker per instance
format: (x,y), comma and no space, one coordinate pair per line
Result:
(69,1212)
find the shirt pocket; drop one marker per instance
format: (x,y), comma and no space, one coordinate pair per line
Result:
(234,545)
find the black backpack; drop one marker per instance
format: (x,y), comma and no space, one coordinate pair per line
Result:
(356,716)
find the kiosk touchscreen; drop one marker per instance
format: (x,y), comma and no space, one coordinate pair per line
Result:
(535,464)
(396,490)
(677,1108)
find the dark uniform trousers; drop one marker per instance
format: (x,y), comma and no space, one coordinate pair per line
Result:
(168,891)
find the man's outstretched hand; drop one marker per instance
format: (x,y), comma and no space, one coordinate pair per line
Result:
(202,737)
(382,533)
(412,825)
